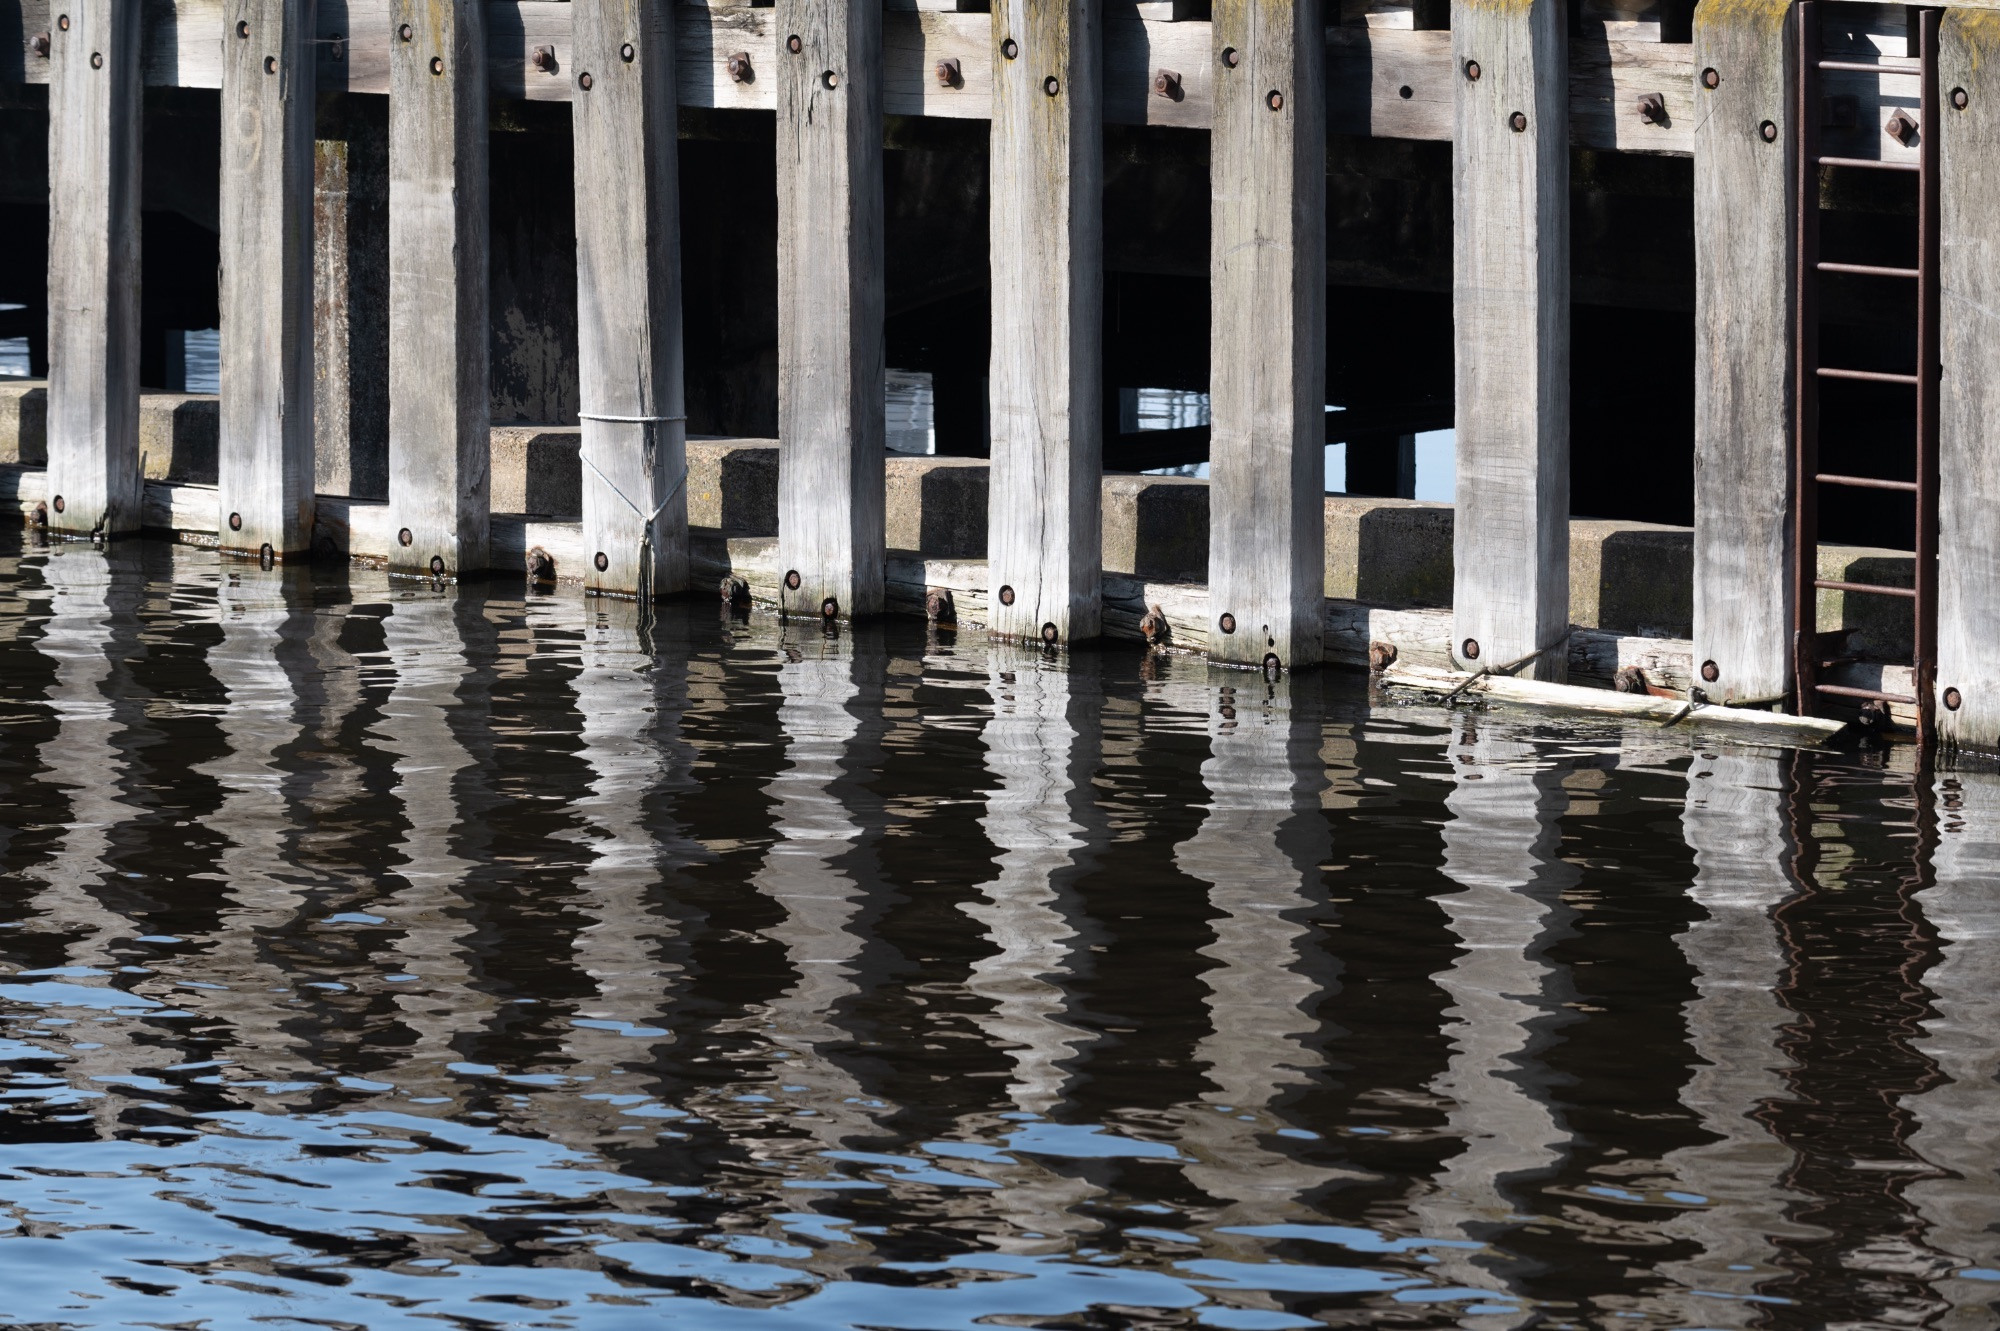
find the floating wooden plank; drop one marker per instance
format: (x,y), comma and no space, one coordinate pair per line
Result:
(1510,290)
(1267,342)
(438,325)
(94,141)
(1770,727)
(629,299)
(1743,231)
(264,456)
(1968,674)
(1045,383)
(830,306)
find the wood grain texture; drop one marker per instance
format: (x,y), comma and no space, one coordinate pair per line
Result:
(1510,290)
(264,456)
(438,324)
(830,297)
(1743,349)
(1969,416)
(1045,378)
(629,296)
(1267,333)
(93,404)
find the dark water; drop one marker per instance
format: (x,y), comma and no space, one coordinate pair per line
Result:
(383,957)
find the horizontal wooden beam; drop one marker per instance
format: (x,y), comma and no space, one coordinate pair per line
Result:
(1385,83)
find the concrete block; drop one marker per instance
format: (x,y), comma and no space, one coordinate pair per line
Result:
(178,436)
(1393,552)
(1883,628)
(537,470)
(732,485)
(1631,577)
(937,506)
(24,420)
(1156,527)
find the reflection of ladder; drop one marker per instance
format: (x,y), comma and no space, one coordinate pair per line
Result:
(1809,115)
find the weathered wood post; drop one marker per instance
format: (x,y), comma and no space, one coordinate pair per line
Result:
(94,476)
(439,413)
(1968,650)
(1510,289)
(1044,541)
(830,294)
(1744,348)
(264,462)
(1267,357)
(629,297)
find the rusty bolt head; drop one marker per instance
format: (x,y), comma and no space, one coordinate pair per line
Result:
(792,580)
(738,66)
(1960,99)
(829,609)
(1010,48)
(829,79)
(1381,655)
(403,537)
(1275,100)
(601,561)
(1768,131)
(236,522)
(406,32)
(97,60)
(1231,57)
(1051,635)
(1167,84)
(437,64)
(242,28)
(795,44)
(1629,679)
(40,45)
(62,21)
(1227,623)
(938,607)
(583,80)
(437,566)
(1710,672)
(541,567)
(1052,85)
(1953,700)
(1710,79)
(544,59)
(1518,121)
(628,53)
(1653,108)
(949,73)
(1153,628)
(1006,596)
(1273,667)
(57,504)
(270,64)
(1472,71)
(1469,650)
(1902,127)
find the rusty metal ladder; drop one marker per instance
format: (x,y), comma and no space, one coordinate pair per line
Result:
(1809,115)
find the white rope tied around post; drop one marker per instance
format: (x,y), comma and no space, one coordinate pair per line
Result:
(644,590)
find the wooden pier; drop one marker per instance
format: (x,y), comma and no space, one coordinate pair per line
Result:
(810,111)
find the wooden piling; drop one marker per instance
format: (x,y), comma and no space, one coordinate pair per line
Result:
(1744,347)
(1267,357)
(264,458)
(93,402)
(1044,538)
(1968,672)
(439,415)
(629,299)
(1510,286)
(830,294)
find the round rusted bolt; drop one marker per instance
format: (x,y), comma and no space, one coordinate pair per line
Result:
(1952,700)
(792,580)
(1153,628)
(1472,70)
(794,44)
(1231,56)
(1769,132)
(403,538)
(1517,122)
(541,567)
(738,66)
(1052,85)
(1275,100)
(601,560)
(583,80)
(62,21)
(1051,635)
(1227,623)
(1710,672)
(1006,596)
(40,45)
(628,53)
(1469,649)
(1273,667)
(829,609)
(949,73)
(97,60)
(406,32)
(938,606)
(830,79)
(735,591)
(57,504)
(437,64)
(1959,98)
(544,59)
(437,566)
(1710,79)
(1167,84)
(1010,48)
(242,28)
(236,522)
(266,555)
(1629,679)
(270,64)
(1381,655)
(1653,108)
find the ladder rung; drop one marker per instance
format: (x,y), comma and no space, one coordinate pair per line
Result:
(1866,482)
(1868,376)
(1869,67)
(1869,270)
(1870,163)
(1871,588)
(1843,691)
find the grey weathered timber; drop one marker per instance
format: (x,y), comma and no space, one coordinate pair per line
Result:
(1968,654)
(830,294)
(264,458)
(1267,340)
(1045,382)
(1510,290)
(1743,238)
(93,403)
(629,298)
(438,335)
